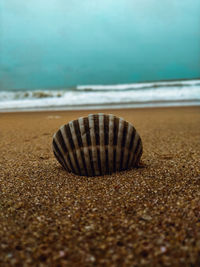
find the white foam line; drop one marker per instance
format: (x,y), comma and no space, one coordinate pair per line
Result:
(138,85)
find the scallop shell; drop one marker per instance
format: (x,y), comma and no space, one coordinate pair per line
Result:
(96,145)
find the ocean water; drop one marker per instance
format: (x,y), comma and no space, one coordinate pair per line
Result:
(58,43)
(149,94)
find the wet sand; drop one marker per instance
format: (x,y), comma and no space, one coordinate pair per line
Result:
(140,217)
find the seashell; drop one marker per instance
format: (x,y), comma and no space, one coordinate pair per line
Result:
(96,145)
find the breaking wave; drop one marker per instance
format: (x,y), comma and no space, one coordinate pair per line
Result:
(86,96)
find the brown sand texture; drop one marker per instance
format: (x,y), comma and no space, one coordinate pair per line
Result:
(141,217)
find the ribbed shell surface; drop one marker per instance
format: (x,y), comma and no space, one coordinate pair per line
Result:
(96,145)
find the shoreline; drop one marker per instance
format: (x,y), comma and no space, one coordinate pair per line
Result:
(100,110)
(135,105)
(147,216)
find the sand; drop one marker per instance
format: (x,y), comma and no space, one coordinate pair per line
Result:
(140,217)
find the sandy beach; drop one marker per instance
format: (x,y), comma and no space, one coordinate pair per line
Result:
(140,217)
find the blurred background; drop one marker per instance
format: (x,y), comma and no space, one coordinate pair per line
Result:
(64,54)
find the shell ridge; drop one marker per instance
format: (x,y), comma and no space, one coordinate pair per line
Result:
(123,143)
(126,146)
(91,161)
(93,145)
(85,146)
(102,144)
(133,150)
(77,144)
(130,148)
(99,160)
(115,134)
(80,143)
(132,139)
(137,151)
(65,131)
(139,156)
(97,138)
(60,160)
(59,155)
(119,143)
(106,141)
(61,147)
(89,143)
(116,127)
(110,142)
(96,129)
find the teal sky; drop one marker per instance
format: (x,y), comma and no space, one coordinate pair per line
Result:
(61,43)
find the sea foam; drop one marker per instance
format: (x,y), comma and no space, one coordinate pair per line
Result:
(94,96)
